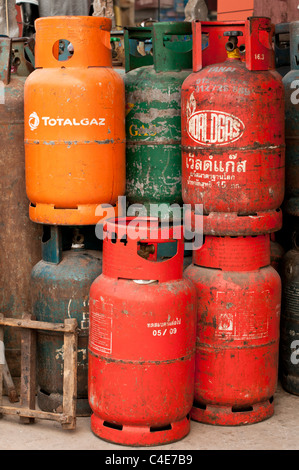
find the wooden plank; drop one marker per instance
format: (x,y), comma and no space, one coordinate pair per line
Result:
(280,11)
(37,325)
(10,386)
(28,413)
(70,374)
(28,370)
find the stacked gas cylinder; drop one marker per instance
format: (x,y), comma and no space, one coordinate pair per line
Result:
(289,341)
(142,337)
(233,174)
(153,118)
(75,170)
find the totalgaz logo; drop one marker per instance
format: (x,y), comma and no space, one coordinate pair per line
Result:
(214,127)
(34,121)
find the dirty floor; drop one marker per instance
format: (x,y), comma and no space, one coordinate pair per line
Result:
(280,432)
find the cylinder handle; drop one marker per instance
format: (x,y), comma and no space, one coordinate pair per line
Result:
(232,44)
(232,33)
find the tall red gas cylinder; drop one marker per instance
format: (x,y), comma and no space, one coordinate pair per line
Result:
(74,123)
(237,330)
(233,145)
(141,338)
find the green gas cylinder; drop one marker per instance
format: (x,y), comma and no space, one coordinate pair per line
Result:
(153,83)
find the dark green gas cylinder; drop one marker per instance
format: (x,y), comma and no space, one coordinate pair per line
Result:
(291,84)
(153,116)
(60,285)
(289,328)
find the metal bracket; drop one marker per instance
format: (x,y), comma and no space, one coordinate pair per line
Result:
(27,411)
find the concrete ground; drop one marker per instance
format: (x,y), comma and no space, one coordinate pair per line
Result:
(280,432)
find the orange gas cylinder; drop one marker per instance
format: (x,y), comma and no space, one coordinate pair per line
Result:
(74,123)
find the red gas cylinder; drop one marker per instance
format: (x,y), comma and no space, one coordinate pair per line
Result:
(141,338)
(233,150)
(237,330)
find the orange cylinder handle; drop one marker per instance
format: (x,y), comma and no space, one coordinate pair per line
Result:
(89,36)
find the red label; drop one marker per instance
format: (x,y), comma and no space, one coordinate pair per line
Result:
(242,323)
(214,128)
(100,335)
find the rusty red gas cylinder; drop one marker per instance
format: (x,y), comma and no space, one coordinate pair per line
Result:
(233,146)
(142,337)
(237,330)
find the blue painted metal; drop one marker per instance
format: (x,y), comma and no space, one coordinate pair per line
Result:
(60,286)
(52,244)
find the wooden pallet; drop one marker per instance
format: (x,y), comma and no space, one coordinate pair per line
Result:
(27,411)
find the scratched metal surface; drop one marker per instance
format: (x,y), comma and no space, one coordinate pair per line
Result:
(289,339)
(153,128)
(59,291)
(19,237)
(291,82)
(238,307)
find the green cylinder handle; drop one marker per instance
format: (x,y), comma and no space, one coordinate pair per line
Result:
(172,46)
(133,58)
